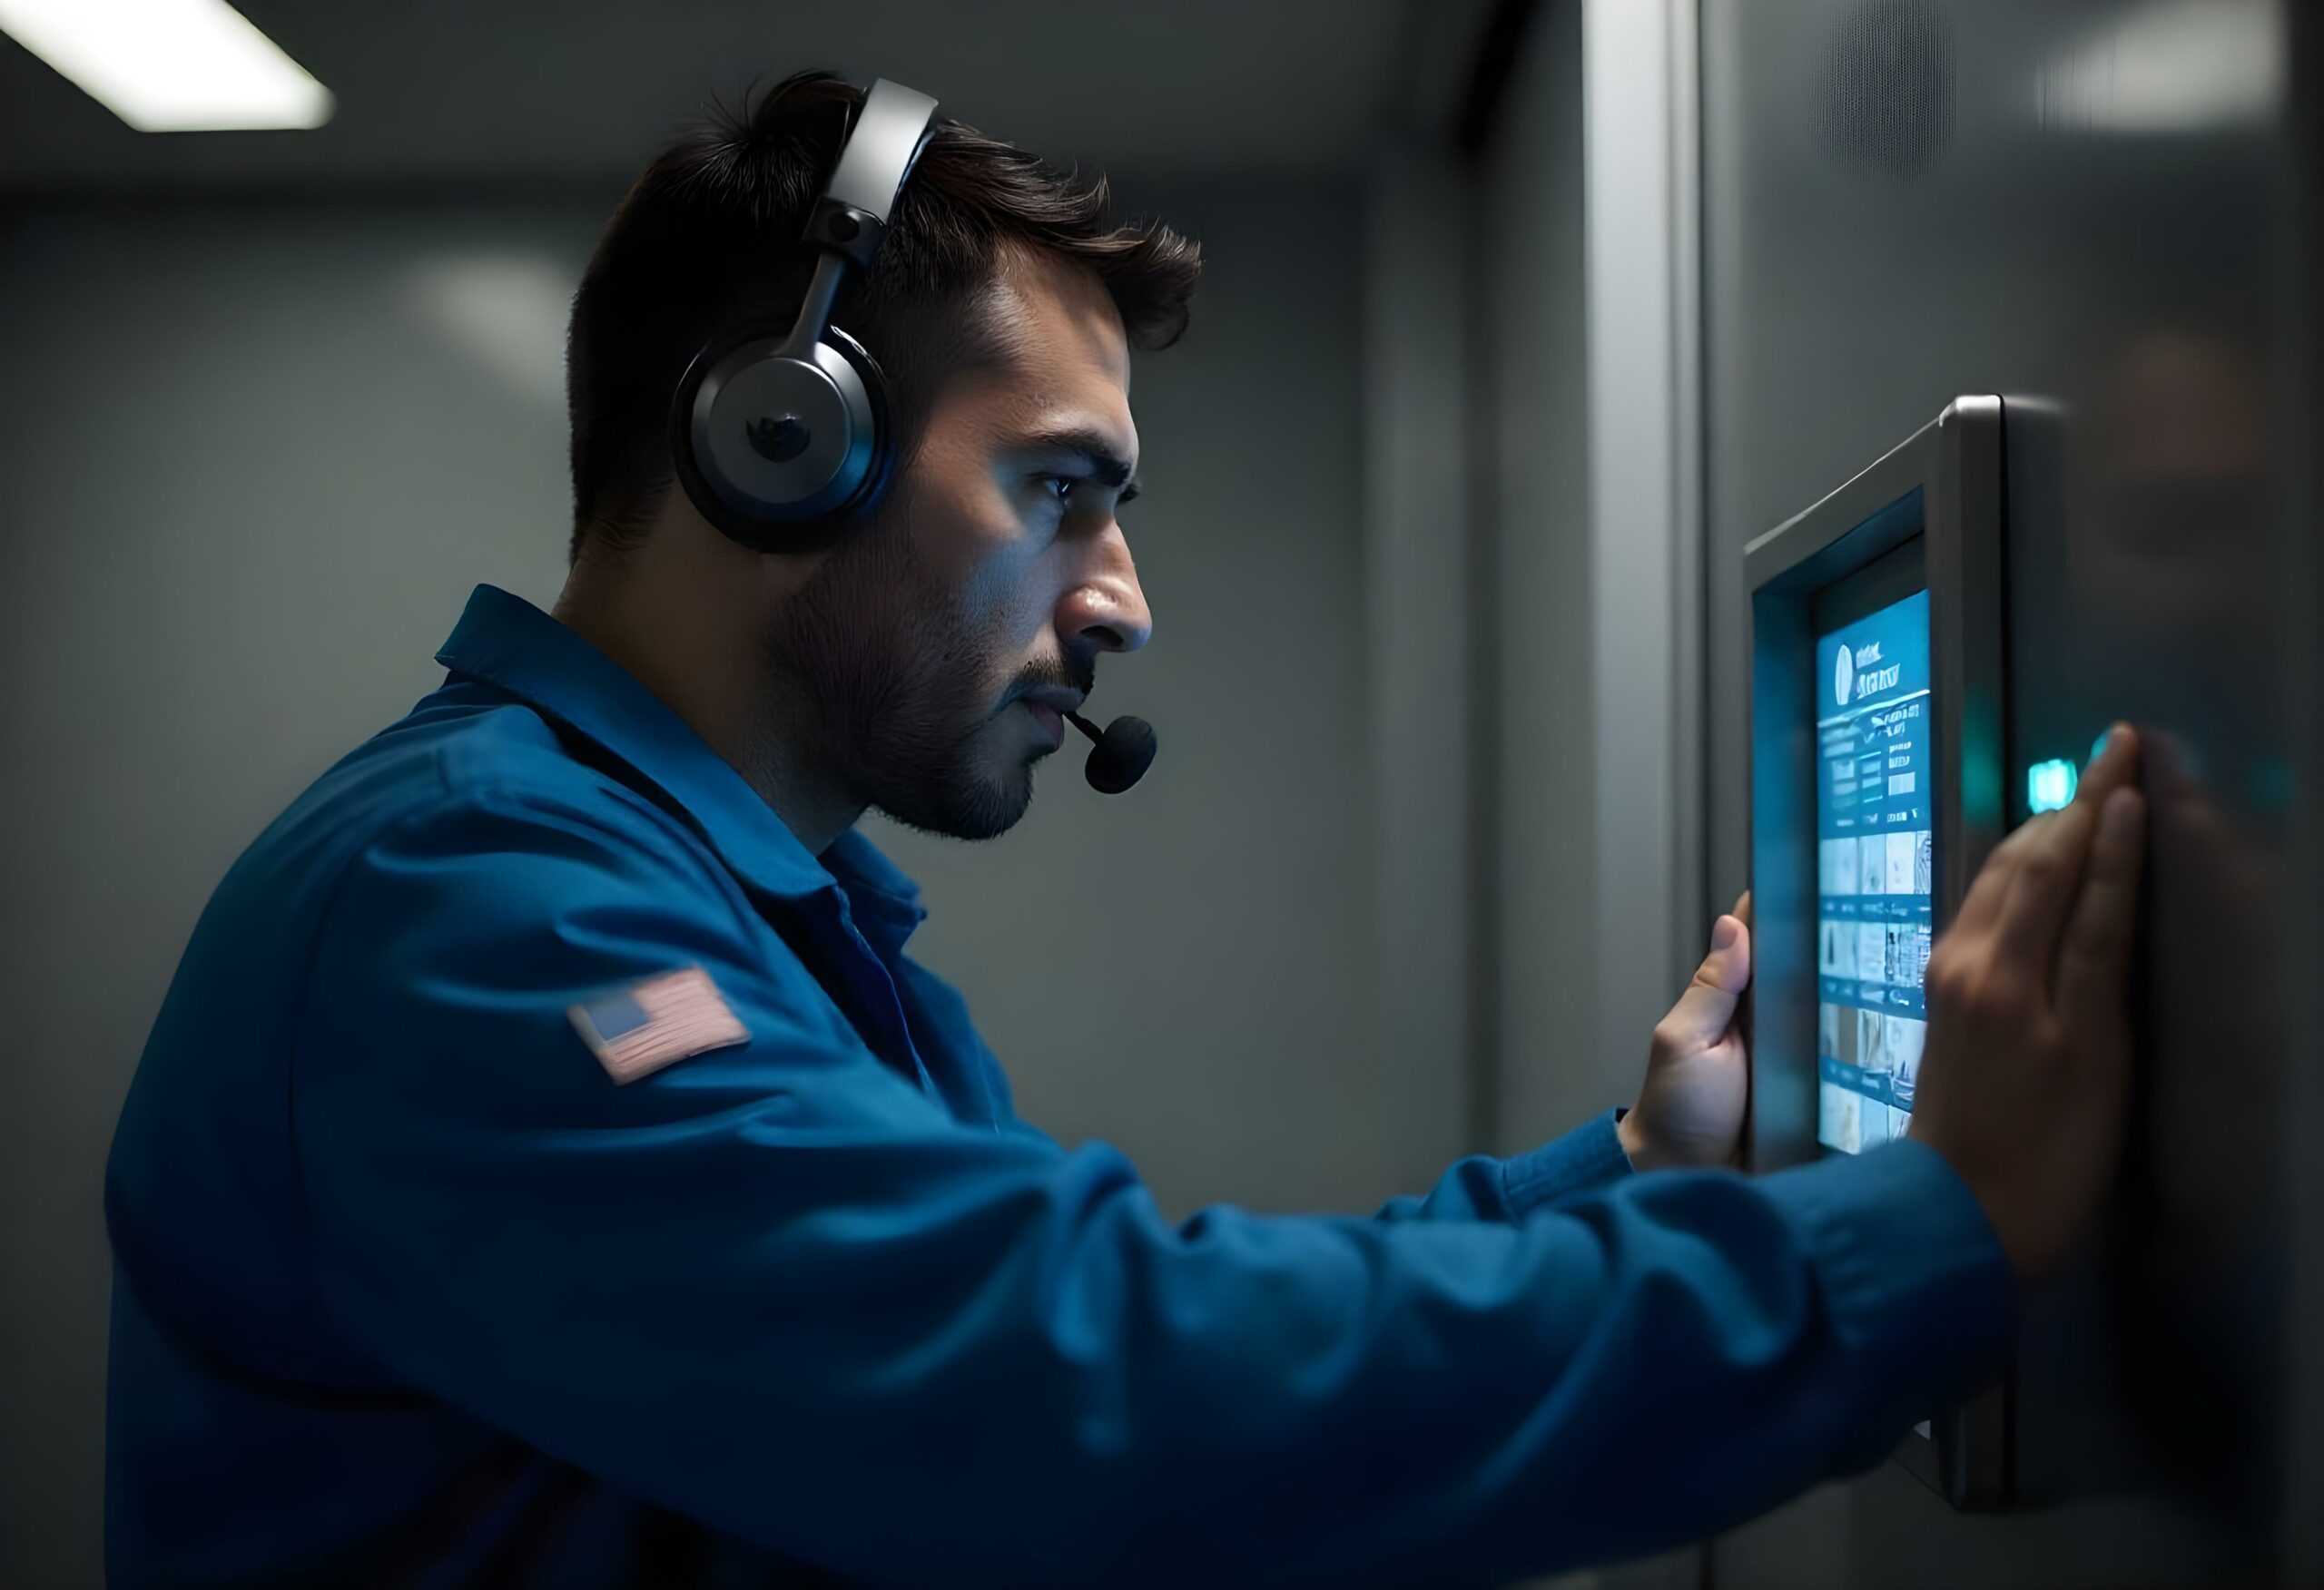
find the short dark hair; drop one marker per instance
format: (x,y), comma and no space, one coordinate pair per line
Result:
(710,234)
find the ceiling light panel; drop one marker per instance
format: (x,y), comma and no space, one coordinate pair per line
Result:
(170,66)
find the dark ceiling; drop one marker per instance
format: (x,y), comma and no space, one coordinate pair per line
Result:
(463,94)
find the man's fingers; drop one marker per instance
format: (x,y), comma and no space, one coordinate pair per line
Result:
(2094,962)
(2042,891)
(2116,767)
(2050,864)
(1742,911)
(1706,1010)
(1983,903)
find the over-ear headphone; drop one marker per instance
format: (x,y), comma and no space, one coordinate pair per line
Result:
(781,438)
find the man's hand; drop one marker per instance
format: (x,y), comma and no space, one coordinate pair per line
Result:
(2026,1078)
(1690,1110)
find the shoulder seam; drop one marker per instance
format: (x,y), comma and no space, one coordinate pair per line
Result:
(681,843)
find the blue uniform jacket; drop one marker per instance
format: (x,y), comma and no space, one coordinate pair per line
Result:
(409,1291)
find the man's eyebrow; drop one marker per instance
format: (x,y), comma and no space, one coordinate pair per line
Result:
(1107,466)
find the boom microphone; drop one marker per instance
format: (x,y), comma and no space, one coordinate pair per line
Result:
(1120,756)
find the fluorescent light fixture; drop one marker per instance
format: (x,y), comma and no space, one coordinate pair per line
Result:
(169,65)
(2170,66)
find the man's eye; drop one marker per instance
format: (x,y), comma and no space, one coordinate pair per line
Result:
(1060,487)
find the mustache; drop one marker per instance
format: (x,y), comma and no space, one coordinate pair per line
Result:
(1074,672)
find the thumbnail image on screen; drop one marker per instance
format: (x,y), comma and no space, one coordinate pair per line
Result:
(1875,860)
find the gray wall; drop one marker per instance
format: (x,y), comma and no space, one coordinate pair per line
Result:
(1589,881)
(254,458)
(1531,339)
(1588,884)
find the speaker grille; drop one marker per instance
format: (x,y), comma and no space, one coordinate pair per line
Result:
(1884,104)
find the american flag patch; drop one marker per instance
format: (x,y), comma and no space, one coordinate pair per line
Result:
(636,1031)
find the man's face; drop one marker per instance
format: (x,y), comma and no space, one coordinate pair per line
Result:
(933,653)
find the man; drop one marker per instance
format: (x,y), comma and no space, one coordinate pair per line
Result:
(429,1272)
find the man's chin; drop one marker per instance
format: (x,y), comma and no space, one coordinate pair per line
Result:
(983,808)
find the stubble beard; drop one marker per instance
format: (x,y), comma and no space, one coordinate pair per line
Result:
(890,691)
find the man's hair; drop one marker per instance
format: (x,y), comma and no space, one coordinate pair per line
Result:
(710,235)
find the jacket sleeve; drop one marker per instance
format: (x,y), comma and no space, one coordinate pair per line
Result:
(1477,1187)
(1482,1187)
(774,1288)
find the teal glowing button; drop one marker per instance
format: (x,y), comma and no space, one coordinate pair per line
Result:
(2049,785)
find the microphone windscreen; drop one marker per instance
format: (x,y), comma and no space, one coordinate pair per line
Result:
(1121,755)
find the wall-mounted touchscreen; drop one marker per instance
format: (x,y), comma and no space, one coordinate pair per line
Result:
(1876,854)
(1878,689)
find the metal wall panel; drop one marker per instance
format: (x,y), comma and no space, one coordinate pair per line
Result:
(2101,207)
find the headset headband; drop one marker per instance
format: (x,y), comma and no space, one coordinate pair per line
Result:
(880,152)
(851,216)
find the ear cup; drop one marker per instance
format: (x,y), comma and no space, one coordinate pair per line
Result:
(873,486)
(781,452)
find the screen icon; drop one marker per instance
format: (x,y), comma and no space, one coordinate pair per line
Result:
(2049,785)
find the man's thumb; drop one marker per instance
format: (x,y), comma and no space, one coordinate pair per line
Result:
(1705,1010)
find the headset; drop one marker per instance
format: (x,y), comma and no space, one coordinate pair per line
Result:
(782,438)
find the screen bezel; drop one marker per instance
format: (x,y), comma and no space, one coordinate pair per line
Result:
(1942,488)
(1886,580)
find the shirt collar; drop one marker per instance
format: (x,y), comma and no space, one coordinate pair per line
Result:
(506,643)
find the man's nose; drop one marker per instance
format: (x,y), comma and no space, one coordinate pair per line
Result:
(1105,609)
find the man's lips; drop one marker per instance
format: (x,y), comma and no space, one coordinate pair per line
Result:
(1052,721)
(1048,705)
